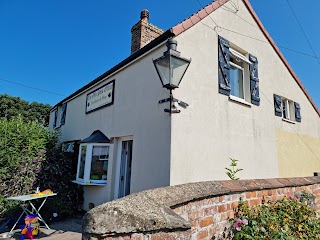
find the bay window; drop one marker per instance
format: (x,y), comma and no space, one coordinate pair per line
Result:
(94,155)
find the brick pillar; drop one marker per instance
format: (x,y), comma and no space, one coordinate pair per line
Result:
(143,32)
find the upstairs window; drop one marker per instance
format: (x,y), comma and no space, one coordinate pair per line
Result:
(287,106)
(238,74)
(287,109)
(63,114)
(55,119)
(60,115)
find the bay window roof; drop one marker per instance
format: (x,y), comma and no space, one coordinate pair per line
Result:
(96,137)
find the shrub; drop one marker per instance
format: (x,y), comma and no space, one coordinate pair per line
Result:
(283,219)
(31,158)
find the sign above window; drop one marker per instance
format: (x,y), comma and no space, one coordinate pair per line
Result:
(100,97)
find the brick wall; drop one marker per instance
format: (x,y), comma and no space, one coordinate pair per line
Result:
(209,216)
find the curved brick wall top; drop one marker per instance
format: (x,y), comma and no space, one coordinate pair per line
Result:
(149,210)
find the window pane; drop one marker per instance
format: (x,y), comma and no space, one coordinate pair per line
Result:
(284,109)
(99,163)
(82,161)
(236,82)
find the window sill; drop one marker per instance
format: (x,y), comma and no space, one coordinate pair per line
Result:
(289,121)
(88,184)
(240,100)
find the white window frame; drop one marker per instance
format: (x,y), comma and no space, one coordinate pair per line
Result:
(238,56)
(87,166)
(243,80)
(289,109)
(285,114)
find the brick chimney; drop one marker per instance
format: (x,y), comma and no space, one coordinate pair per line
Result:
(143,32)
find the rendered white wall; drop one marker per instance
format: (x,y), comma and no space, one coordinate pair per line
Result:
(214,128)
(136,113)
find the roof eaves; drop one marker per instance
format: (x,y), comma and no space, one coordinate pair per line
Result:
(167,34)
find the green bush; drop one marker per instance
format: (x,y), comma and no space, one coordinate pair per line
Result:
(31,158)
(283,219)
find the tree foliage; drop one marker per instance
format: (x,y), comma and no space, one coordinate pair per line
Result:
(15,106)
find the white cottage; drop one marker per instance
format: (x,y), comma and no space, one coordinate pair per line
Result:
(231,106)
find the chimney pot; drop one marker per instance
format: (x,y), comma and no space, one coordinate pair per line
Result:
(144,15)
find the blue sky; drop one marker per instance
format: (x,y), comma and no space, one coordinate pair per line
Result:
(59,45)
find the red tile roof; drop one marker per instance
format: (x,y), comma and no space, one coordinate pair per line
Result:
(197,17)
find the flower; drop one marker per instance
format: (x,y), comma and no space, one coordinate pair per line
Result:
(245,222)
(237,225)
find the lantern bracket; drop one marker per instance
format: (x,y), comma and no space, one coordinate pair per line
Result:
(181,103)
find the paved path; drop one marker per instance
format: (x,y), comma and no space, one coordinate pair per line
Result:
(67,230)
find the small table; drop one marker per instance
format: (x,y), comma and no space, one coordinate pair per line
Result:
(29,198)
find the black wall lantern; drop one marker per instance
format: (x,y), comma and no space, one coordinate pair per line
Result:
(171,69)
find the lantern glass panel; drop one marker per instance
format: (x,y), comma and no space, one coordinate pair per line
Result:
(171,70)
(179,67)
(162,65)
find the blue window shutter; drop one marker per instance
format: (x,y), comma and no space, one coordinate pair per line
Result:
(55,118)
(297,111)
(63,114)
(224,66)
(254,80)
(277,105)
